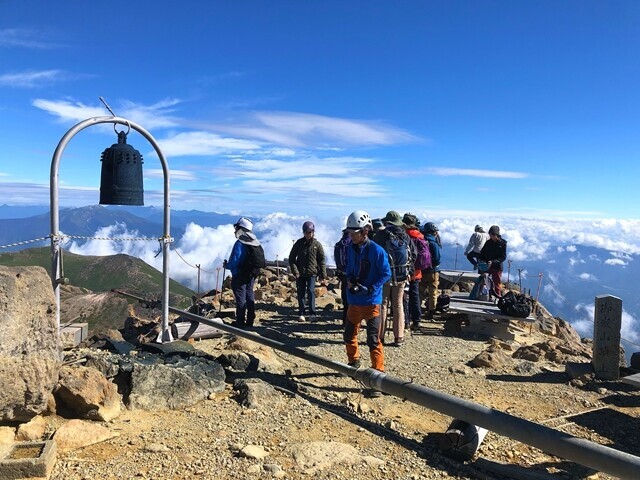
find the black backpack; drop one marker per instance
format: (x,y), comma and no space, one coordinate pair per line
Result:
(443,302)
(253,262)
(515,305)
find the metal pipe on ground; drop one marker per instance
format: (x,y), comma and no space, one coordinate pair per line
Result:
(560,444)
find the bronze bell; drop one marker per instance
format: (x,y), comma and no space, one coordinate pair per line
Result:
(121,178)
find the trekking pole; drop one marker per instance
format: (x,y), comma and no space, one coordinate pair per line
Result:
(221,289)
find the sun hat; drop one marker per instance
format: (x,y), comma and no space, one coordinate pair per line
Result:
(393,218)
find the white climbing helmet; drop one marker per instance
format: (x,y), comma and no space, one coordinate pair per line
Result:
(358,220)
(244,223)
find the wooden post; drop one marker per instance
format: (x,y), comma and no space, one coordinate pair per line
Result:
(606,337)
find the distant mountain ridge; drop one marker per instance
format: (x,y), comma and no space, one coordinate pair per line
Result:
(85,221)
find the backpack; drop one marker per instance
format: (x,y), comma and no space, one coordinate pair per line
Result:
(482,288)
(253,262)
(515,305)
(423,254)
(340,254)
(442,303)
(398,250)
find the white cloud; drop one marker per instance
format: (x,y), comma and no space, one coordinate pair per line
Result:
(31,78)
(629,330)
(66,110)
(173,174)
(575,261)
(290,129)
(202,143)
(25,38)
(587,276)
(571,248)
(615,261)
(468,172)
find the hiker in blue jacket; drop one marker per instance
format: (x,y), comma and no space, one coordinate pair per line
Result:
(432,275)
(367,271)
(241,279)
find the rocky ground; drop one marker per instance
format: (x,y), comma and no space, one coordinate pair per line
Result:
(316,423)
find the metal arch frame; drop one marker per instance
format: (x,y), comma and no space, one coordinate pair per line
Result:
(165,334)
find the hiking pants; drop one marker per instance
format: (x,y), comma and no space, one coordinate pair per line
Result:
(306,288)
(473,257)
(392,300)
(245,301)
(415,311)
(496,277)
(375,331)
(343,296)
(433,281)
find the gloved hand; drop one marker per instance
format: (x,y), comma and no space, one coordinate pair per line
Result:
(359,290)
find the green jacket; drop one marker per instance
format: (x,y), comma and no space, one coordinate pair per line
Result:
(307,259)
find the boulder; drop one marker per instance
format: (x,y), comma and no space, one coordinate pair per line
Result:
(177,384)
(30,348)
(80,433)
(85,393)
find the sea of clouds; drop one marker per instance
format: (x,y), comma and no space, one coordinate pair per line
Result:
(617,243)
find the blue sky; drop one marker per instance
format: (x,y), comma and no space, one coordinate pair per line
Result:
(524,108)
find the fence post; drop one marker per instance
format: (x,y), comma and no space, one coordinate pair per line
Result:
(606,337)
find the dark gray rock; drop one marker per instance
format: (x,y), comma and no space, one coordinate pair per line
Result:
(178,383)
(254,393)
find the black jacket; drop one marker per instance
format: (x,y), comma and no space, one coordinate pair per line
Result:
(496,252)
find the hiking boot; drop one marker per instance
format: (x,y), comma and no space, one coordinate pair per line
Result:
(301,318)
(355,364)
(372,393)
(415,326)
(398,342)
(429,315)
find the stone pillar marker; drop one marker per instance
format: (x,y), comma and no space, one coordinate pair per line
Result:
(606,337)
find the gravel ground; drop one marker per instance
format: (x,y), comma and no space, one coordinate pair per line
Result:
(375,438)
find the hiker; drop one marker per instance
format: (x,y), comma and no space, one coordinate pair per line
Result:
(378,225)
(340,258)
(306,261)
(243,264)
(494,252)
(432,274)
(367,271)
(395,241)
(421,261)
(476,242)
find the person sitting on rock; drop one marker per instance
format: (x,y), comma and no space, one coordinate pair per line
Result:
(474,247)
(307,262)
(494,252)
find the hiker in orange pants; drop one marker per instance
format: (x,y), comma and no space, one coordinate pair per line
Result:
(367,271)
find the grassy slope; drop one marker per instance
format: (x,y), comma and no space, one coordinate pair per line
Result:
(101,274)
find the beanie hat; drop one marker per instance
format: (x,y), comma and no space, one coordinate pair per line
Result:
(494,230)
